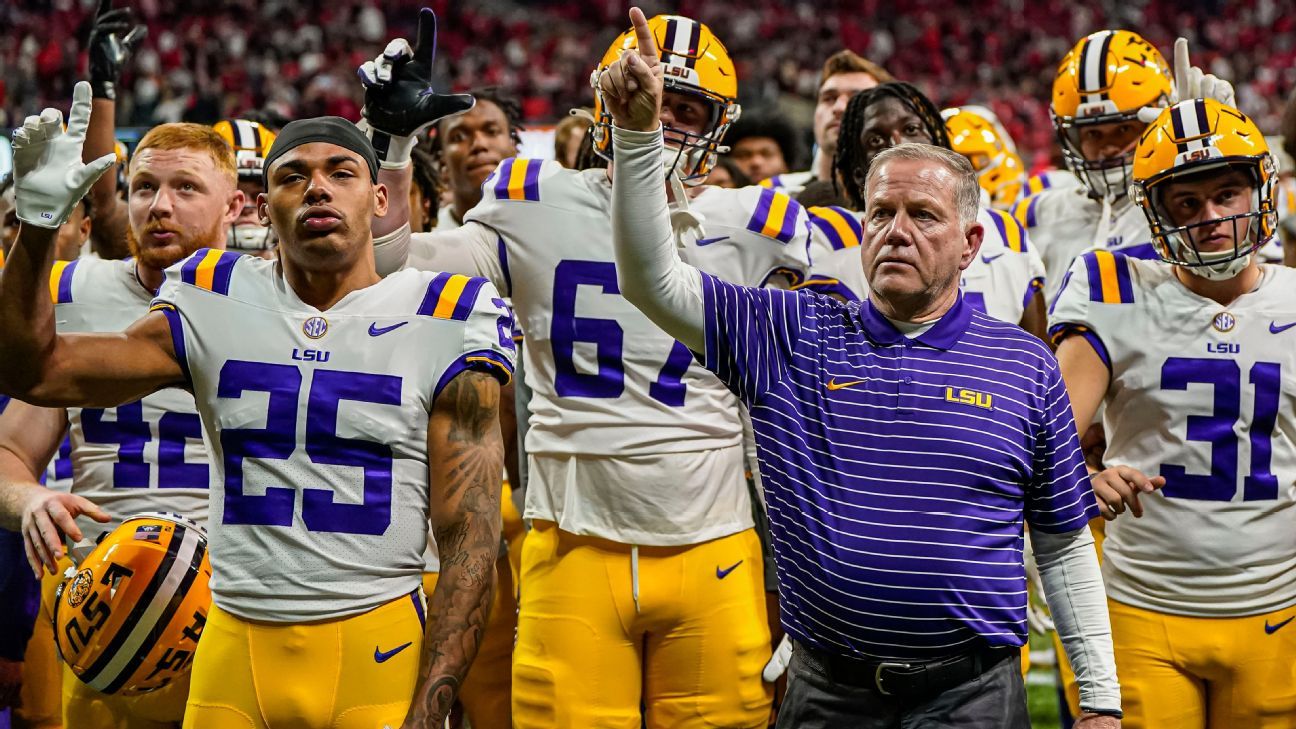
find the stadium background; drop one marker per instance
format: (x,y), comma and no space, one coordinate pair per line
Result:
(212,59)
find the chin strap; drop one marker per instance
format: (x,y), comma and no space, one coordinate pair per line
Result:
(685,222)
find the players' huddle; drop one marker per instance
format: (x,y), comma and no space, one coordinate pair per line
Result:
(293,424)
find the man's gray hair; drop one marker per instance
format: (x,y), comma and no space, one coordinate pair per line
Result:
(967,191)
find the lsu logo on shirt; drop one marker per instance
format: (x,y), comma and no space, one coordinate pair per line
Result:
(969,397)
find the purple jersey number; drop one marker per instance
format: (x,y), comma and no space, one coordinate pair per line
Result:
(131,433)
(1217,429)
(608,338)
(278,441)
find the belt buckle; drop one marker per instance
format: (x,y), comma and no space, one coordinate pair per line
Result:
(877,675)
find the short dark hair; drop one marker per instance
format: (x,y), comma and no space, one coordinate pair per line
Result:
(771,126)
(848,61)
(850,154)
(507,104)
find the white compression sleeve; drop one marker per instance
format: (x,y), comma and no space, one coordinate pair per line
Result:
(1073,586)
(652,276)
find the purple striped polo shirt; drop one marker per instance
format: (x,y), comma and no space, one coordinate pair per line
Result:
(899,472)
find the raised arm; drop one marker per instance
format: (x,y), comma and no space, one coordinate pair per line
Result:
(651,274)
(113,38)
(399,107)
(465,459)
(36,363)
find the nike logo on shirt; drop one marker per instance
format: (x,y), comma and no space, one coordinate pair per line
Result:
(988,259)
(1271,629)
(833,384)
(377,331)
(1275,329)
(721,574)
(708,241)
(384,656)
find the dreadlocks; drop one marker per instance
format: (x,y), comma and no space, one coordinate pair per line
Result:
(851,154)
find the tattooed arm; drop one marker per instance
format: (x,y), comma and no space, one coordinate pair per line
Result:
(465,461)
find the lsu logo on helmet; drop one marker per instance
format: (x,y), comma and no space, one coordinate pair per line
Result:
(128,621)
(694,62)
(1199,136)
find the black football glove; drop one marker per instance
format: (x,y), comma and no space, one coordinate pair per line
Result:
(113,38)
(399,100)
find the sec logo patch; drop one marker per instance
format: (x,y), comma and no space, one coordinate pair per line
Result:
(315,327)
(1223,322)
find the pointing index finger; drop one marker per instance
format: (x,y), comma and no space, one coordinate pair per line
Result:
(643,35)
(425,44)
(1182,68)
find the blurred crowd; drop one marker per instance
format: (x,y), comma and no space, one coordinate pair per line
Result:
(211,59)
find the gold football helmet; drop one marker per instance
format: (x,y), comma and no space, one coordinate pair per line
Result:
(1106,78)
(975,133)
(1195,138)
(251,143)
(694,62)
(127,619)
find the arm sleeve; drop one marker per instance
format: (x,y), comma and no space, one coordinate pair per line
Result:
(1058,498)
(1073,586)
(392,250)
(472,250)
(652,276)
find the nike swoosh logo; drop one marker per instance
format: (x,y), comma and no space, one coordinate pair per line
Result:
(721,574)
(1271,629)
(383,657)
(1275,329)
(988,259)
(833,384)
(708,241)
(377,331)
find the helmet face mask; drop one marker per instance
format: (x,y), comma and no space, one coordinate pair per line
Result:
(1105,79)
(1199,144)
(695,64)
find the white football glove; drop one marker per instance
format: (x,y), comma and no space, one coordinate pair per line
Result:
(49,177)
(778,662)
(1190,82)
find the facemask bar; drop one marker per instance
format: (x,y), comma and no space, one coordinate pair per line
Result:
(1177,244)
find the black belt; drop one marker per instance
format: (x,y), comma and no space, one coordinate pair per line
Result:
(905,680)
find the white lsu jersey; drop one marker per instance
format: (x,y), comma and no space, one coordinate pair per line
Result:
(148,455)
(318,425)
(620,411)
(1000,281)
(1204,395)
(1065,222)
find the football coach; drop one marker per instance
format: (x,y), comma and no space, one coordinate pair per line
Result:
(903,441)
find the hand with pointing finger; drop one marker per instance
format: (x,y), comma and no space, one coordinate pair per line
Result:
(632,86)
(399,100)
(1191,83)
(113,38)
(49,177)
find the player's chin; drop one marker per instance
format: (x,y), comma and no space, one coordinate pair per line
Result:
(168,254)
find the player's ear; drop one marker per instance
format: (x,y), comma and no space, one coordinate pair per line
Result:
(263,209)
(235,206)
(972,238)
(380,200)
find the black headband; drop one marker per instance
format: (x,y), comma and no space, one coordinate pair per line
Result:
(331,129)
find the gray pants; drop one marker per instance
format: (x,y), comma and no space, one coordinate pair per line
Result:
(994,700)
